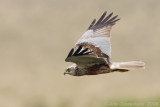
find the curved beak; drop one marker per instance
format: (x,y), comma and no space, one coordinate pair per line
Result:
(65,72)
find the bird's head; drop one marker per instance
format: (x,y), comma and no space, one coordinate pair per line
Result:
(71,70)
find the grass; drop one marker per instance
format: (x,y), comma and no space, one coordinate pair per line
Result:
(133,103)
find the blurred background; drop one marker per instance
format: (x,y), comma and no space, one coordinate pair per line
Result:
(36,36)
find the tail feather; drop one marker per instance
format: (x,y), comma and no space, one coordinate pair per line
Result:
(127,65)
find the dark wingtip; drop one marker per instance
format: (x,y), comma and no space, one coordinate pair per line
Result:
(78,50)
(92,24)
(112,20)
(83,51)
(88,53)
(101,18)
(104,21)
(70,53)
(115,21)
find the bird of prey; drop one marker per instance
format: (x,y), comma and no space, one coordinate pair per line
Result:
(92,52)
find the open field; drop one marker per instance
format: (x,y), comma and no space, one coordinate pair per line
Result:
(36,36)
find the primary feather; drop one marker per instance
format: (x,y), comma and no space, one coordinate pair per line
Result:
(97,37)
(92,52)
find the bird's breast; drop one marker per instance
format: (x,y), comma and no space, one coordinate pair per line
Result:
(98,69)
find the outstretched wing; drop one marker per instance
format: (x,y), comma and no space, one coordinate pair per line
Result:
(84,57)
(97,36)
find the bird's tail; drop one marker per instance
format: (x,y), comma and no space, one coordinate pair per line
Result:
(126,66)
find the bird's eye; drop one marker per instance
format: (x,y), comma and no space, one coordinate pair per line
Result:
(68,70)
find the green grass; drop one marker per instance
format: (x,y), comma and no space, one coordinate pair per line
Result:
(133,103)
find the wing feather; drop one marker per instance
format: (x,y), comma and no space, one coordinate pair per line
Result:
(71,52)
(83,51)
(84,57)
(107,17)
(78,50)
(93,22)
(101,18)
(97,37)
(94,45)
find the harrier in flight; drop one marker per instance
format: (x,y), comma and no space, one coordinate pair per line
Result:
(92,52)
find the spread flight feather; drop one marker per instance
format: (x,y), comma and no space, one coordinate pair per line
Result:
(92,52)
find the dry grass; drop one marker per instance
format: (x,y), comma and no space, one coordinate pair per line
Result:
(36,36)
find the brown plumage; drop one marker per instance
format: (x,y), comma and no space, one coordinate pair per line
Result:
(96,50)
(92,52)
(98,69)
